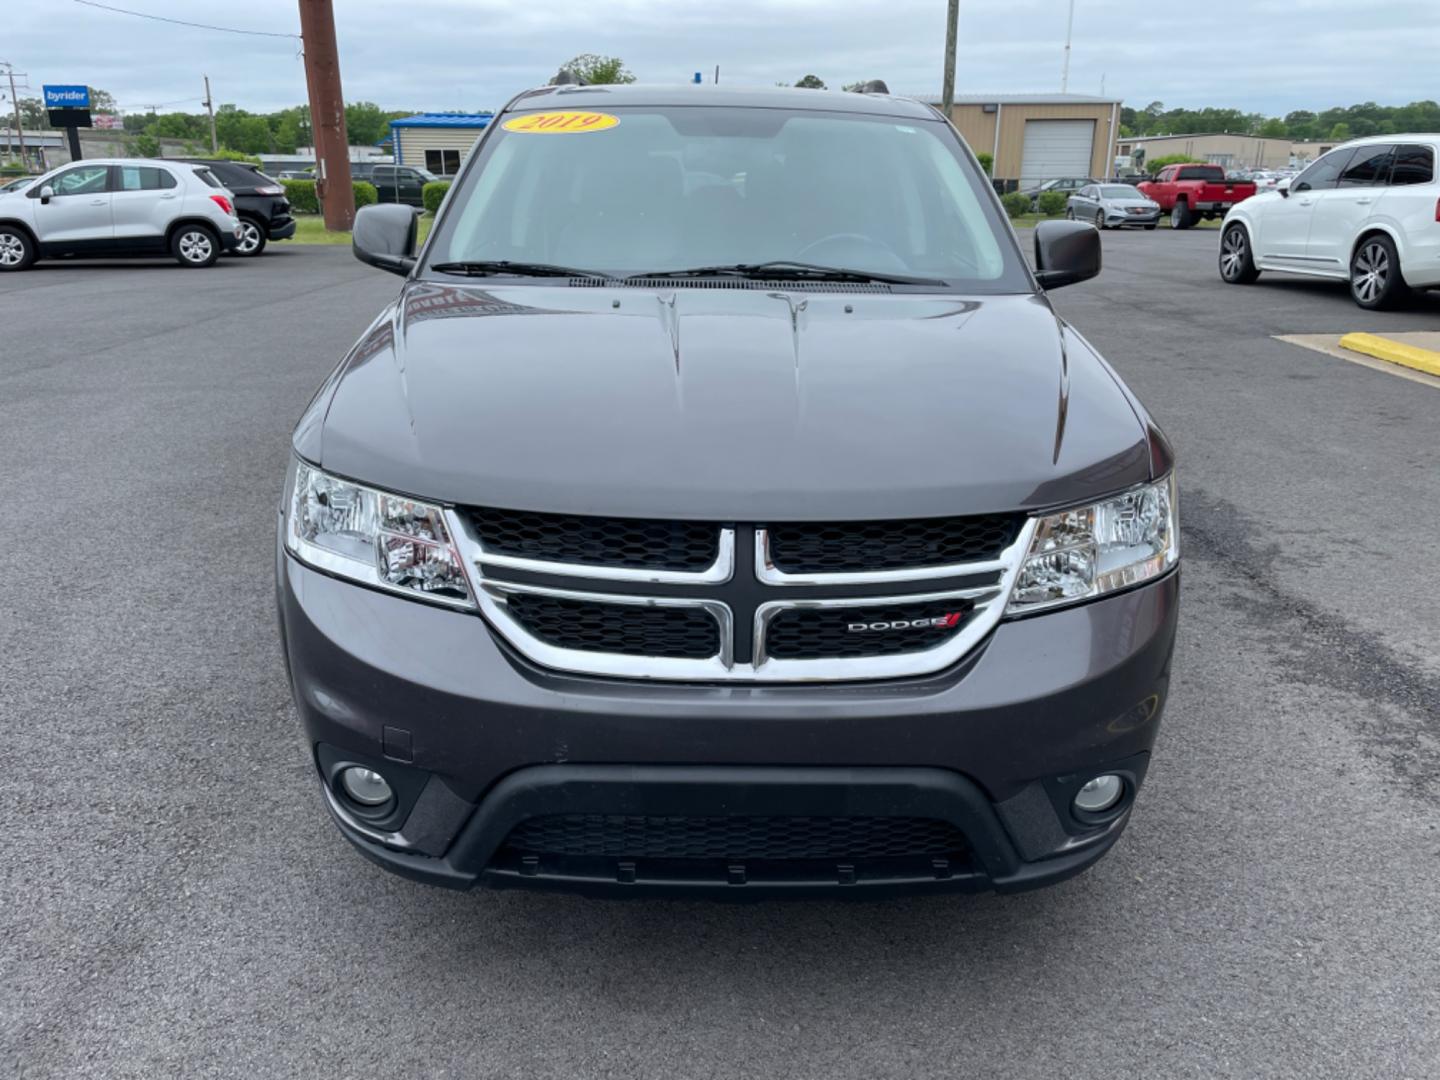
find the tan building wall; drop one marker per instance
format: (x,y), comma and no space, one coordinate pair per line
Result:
(415,141)
(1231,151)
(998,128)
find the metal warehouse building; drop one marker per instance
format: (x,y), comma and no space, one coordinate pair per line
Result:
(437,141)
(1035,137)
(1231,151)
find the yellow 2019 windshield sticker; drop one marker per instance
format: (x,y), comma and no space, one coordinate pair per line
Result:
(570,122)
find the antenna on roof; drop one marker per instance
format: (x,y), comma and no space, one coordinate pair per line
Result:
(566,77)
(874,86)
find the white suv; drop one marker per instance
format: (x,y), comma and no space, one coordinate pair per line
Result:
(1368,211)
(126,207)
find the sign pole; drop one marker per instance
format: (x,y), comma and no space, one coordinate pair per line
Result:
(210,108)
(19,130)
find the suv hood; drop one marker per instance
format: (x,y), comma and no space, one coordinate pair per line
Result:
(726,404)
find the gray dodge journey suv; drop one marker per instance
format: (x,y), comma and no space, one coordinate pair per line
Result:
(721,507)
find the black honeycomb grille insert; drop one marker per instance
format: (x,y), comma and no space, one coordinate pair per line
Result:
(829,633)
(688,633)
(858,546)
(788,838)
(630,543)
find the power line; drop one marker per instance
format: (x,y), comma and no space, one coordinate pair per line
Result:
(159,104)
(182,22)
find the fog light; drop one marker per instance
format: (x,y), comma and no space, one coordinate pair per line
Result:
(366,786)
(1100,794)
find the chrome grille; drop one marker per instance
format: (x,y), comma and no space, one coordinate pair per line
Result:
(651,607)
(631,543)
(627,629)
(860,546)
(848,633)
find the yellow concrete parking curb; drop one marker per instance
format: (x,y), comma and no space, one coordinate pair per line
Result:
(1395,352)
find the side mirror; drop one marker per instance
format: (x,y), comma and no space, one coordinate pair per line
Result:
(46,193)
(1284,187)
(1066,252)
(385,236)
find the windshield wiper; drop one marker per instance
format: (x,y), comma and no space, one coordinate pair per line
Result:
(496,267)
(783,269)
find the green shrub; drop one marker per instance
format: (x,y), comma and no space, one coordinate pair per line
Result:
(987,162)
(1016,204)
(1053,202)
(301,194)
(1173,159)
(234,155)
(433,193)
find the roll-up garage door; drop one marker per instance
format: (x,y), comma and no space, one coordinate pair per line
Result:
(1056,148)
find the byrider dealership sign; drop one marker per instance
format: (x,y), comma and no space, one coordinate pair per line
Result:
(67,97)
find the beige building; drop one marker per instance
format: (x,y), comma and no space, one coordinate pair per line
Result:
(1037,137)
(1229,151)
(439,142)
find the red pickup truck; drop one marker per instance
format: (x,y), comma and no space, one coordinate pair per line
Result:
(1190,192)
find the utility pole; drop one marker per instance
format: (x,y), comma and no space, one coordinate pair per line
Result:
(327,114)
(1069,29)
(210,108)
(15,101)
(951,28)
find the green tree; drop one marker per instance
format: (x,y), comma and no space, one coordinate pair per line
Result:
(178,126)
(810,82)
(1300,124)
(287,132)
(145,146)
(243,131)
(1340,132)
(365,122)
(102,101)
(32,113)
(1274,128)
(598,70)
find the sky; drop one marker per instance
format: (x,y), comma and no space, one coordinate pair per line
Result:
(1268,56)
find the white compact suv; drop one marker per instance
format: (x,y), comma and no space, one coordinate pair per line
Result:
(1368,211)
(128,207)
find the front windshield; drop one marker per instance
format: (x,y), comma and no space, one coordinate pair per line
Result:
(664,189)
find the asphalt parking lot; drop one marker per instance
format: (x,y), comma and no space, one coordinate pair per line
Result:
(177,903)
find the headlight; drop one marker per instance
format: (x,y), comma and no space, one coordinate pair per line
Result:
(373,537)
(1093,550)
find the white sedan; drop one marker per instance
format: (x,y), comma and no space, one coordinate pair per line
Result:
(1367,212)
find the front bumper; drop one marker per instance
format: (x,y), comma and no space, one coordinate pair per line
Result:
(481,740)
(1113,219)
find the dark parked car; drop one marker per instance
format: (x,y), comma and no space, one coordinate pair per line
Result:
(722,506)
(260,203)
(1066,185)
(404,184)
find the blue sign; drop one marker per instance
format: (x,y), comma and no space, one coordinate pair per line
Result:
(67,97)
